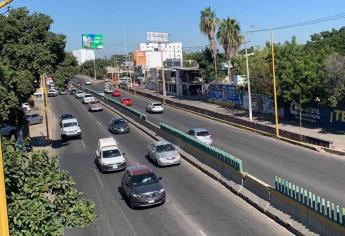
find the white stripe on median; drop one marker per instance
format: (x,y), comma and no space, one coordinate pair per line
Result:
(82,142)
(98,178)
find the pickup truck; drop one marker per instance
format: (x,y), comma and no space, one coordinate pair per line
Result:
(109,156)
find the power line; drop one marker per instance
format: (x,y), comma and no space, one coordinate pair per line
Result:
(303,23)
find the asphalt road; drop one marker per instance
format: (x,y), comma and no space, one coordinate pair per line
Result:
(263,157)
(196,204)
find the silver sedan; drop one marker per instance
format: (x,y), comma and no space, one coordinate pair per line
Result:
(163,153)
(34,119)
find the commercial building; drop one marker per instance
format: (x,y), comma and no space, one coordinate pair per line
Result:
(182,82)
(83,55)
(156,49)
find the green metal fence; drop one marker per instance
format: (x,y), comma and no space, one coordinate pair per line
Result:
(211,150)
(312,201)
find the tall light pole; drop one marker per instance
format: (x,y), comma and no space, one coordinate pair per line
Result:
(45,94)
(249,91)
(4,230)
(163,78)
(274,87)
(94,64)
(300,114)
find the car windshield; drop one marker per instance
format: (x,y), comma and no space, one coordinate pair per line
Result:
(157,104)
(94,102)
(144,179)
(111,153)
(203,133)
(88,96)
(118,122)
(70,124)
(165,148)
(64,116)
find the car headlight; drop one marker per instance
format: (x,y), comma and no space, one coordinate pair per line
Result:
(135,195)
(162,190)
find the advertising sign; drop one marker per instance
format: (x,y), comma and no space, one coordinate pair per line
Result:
(157,37)
(224,92)
(92,41)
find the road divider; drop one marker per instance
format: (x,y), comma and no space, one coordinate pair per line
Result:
(279,202)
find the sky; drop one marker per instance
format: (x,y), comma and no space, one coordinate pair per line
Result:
(131,19)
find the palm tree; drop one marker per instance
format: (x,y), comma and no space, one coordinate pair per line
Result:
(230,38)
(208,25)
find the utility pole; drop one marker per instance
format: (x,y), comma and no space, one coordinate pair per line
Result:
(4,230)
(43,77)
(249,91)
(300,114)
(94,64)
(274,87)
(163,78)
(4,3)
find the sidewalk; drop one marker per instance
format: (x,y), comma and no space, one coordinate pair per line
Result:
(316,132)
(38,132)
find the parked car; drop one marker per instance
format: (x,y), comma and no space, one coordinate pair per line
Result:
(52,93)
(7,130)
(87,82)
(141,187)
(70,128)
(88,98)
(201,134)
(127,101)
(65,116)
(72,91)
(155,107)
(163,153)
(63,92)
(34,119)
(26,107)
(116,93)
(123,85)
(79,94)
(118,126)
(109,156)
(95,106)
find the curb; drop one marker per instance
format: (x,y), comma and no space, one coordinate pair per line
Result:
(214,175)
(294,142)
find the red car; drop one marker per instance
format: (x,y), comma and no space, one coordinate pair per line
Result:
(126,101)
(116,93)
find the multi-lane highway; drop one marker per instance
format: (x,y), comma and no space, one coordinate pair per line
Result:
(263,157)
(196,204)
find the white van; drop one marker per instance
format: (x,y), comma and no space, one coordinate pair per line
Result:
(109,156)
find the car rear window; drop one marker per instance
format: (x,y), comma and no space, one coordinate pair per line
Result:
(88,95)
(71,124)
(111,153)
(203,133)
(157,104)
(165,148)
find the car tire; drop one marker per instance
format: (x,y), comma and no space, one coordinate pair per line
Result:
(131,204)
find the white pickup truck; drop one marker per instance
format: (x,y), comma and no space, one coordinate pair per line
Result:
(70,128)
(88,98)
(109,156)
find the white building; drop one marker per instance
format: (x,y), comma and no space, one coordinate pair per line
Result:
(158,46)
(83,55)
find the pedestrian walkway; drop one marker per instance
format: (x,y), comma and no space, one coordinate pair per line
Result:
(316,132)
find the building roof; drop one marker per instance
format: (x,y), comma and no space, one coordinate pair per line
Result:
(138,170)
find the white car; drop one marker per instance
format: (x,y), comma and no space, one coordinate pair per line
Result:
(88,82)
(109,156)
(201,134)
(26,107)
(79,94)
(88,98)
(70,128)
(155,107)
(164,153)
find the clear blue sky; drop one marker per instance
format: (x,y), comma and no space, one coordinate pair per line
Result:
(180,18)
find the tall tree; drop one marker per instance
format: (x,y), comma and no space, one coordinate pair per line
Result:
(208,26)
(230,38)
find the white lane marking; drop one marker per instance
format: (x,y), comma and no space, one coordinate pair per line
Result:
(82,142)
(105,218)
(99,123)
(98,178)
(202,233)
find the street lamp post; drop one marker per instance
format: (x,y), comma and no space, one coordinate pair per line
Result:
(4,230)
(300,114)
(249,91)
(274,87)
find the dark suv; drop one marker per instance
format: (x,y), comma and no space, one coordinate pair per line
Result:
(142,187)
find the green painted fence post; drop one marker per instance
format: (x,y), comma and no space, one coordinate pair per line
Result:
(328,209)
(318,204)
(323,206)
(343,216)
(297,194)
(314,201)
(305,197)
(301,194)
(332,211)
(310,200)
(337,214)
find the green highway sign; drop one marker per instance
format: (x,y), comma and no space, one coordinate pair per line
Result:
(92,41)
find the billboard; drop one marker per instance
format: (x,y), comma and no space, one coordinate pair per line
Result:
(92,41)
(224,92)
(157,37)
(140,58)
